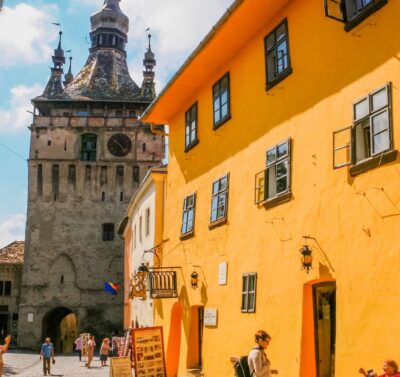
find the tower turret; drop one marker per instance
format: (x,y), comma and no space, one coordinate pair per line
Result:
(149,62)
(69,76)
(54,86)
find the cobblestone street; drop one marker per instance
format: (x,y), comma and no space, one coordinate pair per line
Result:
(25,364)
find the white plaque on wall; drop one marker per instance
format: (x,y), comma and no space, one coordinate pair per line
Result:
(30,317)
(210,317)
(222,273)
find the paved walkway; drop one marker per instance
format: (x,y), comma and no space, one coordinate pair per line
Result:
(24,364)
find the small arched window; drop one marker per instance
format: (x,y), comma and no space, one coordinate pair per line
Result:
(135,174)
(88,147)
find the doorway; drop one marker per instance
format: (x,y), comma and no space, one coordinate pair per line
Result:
(324,302)
(61,326)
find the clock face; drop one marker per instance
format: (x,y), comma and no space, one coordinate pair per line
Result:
(119,145)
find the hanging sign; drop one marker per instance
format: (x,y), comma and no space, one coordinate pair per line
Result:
(148,351)
(210,317)
(163,284)
(120,367)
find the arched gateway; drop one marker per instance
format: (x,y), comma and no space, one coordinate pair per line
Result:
(61,325)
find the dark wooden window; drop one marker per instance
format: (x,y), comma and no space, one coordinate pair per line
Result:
(219,201)
(277,54)
(221,100)
(88,147)
(55,179)
(108,232)
(249,286)
(5,288)
(191,127)
(370,137)
(189,205)
(352,12)
(274,181)
(40,180)
(135,174)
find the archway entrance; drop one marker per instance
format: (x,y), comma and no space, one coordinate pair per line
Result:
(61,326)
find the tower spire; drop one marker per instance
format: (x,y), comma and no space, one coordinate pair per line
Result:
(149,62)
(69,76)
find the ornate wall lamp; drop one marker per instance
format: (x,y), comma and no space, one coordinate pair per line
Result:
(306,255)
(194,280)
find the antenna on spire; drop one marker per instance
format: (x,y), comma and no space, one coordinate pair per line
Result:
(149,36)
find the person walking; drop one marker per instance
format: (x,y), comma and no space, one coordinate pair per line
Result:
(47,353)
(259,364)
(91,344)
(78,347)
(104,351)
(390,368)
(3,349)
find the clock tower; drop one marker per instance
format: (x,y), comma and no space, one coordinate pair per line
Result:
(88,154)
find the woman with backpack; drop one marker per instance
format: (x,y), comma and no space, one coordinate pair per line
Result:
(259,364)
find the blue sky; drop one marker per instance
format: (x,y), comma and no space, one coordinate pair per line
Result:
(27,38)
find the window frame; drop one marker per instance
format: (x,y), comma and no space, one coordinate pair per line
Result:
(340,8)
(374,159)
(246,292)
(186,210)
(224,192)
(262,180)
(108,234)
(92,153)
(270,83)
(222,119)
(189,126)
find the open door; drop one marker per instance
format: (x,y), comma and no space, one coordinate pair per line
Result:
(324,297)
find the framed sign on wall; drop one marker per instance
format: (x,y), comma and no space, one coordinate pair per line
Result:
(148,352)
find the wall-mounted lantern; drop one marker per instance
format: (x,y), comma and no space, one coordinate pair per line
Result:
(194,280)
(306,258)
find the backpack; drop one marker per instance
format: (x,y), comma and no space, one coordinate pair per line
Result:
(242,367)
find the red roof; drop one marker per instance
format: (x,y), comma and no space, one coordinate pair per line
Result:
(13,253)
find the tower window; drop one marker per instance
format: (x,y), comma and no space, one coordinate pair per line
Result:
(55,179)
(135,174)
(144,147)
(5,288)
(88,147)
(72,174)
(108,232)
(40,180)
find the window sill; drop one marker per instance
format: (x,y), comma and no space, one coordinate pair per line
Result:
(221,122)
(371,8)
(277,200)
(278,79)
(217,223)
(373,162)
(187,235)
(191,145)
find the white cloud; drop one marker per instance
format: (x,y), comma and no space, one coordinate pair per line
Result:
(25,33)
(15,117)
(12,228)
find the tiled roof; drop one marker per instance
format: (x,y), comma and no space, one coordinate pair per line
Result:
(13,253)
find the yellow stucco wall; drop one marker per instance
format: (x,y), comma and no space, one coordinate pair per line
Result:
(355,221)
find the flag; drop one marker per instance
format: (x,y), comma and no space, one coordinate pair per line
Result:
(111,287)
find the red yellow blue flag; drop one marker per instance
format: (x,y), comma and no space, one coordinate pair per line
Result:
(111,287)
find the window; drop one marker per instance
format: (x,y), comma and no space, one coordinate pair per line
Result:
(140,228)
(352,12)
(274,182)
(55,179)
(368,142)
(189,205)
(249,284)
(147,223)
(108,232)
(277,54)
(219,201)
(88,147)
(135,174)
(221,101)
(40,180)
(118,113)
(5,288)
(191,127)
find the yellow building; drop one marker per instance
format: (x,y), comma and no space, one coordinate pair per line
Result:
(284,129)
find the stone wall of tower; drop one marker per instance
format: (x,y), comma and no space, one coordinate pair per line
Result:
(69,200)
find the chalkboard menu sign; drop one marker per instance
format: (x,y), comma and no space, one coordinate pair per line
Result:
(148,350)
